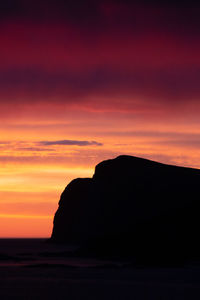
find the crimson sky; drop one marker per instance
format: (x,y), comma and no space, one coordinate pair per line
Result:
(83,81)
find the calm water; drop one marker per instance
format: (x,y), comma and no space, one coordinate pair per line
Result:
(30,252)
(33,269)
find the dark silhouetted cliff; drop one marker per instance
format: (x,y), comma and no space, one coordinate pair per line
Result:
(132,206)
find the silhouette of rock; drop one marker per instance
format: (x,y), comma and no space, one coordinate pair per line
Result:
(132,207)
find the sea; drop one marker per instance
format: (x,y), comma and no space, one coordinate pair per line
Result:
(31,252)
(36,269)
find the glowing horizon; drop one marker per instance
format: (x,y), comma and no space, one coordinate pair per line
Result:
(84,82)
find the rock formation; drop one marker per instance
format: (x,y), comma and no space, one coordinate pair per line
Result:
(132,205)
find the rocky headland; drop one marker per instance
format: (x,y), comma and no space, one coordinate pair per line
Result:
(132,207)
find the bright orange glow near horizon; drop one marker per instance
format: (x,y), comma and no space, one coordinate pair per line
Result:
(81,83)
(34,171)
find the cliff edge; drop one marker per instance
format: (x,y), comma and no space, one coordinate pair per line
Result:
(132,205)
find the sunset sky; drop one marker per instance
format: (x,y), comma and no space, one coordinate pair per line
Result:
(84,81)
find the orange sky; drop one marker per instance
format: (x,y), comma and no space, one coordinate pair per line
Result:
(87,82)
(33,175)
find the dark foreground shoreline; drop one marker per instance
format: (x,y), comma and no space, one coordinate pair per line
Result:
(34,269)
(87,283)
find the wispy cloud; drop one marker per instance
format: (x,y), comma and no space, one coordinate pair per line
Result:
(70,143)
(33,149)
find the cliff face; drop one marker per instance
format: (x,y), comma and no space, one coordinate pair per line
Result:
(133,199)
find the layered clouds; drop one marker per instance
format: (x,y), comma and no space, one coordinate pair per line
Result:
(74,53)
(83,81)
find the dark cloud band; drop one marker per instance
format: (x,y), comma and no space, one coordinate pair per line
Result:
(70,143)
